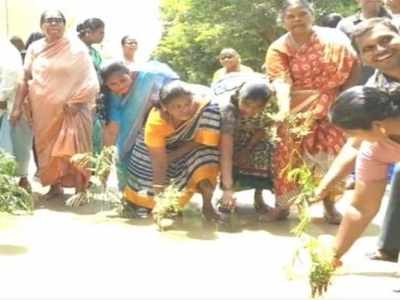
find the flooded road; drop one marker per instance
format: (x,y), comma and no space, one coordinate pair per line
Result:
(89,253)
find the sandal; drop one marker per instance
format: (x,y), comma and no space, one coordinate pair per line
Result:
(383,256)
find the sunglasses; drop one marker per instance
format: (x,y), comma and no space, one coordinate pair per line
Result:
(54,20)
(131,43)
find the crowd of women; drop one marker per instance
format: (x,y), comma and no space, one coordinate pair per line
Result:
(167,131)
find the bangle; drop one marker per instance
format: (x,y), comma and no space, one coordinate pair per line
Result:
(158,185)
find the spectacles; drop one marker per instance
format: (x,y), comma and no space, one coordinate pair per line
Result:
(131,43)
(227,56)
(54,20)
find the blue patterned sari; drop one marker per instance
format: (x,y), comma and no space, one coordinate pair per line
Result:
(130,112)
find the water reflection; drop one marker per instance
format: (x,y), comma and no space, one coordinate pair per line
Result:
(12,250)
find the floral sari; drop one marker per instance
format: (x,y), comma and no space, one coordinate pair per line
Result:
(316,71)
(257,173)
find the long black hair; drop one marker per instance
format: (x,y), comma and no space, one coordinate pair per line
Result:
(34,36)
(113,68)
(359,106)
(89,25)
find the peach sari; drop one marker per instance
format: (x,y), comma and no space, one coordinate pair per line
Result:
(62,75)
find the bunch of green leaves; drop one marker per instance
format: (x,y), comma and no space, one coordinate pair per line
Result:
(100,166)
(299,124)
(321,270)
(304,177)
(12,197)
(167,206)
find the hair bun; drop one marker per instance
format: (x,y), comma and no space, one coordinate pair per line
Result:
(80,28)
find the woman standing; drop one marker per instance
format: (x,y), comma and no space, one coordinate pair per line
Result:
(15,138)
(91,32)
(308,66)
(230,61)
(62,86)
(129,47)
(179,145)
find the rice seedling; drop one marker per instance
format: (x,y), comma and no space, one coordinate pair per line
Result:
(299,172)
(100,166)
(167,206)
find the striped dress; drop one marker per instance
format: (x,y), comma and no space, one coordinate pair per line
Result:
(186,172)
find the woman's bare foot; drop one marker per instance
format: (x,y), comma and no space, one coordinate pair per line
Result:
(259,205)
(331,214)
(55,191)
(25,184)
(274,214)
(206,189)
(210,214)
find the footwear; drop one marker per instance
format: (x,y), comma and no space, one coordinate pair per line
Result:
(133,211)
(383,255)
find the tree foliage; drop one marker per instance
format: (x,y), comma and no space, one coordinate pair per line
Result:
(196,30)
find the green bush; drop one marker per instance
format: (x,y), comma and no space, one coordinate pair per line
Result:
(196,30)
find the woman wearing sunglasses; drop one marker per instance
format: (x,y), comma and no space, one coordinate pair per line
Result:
(61,84)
